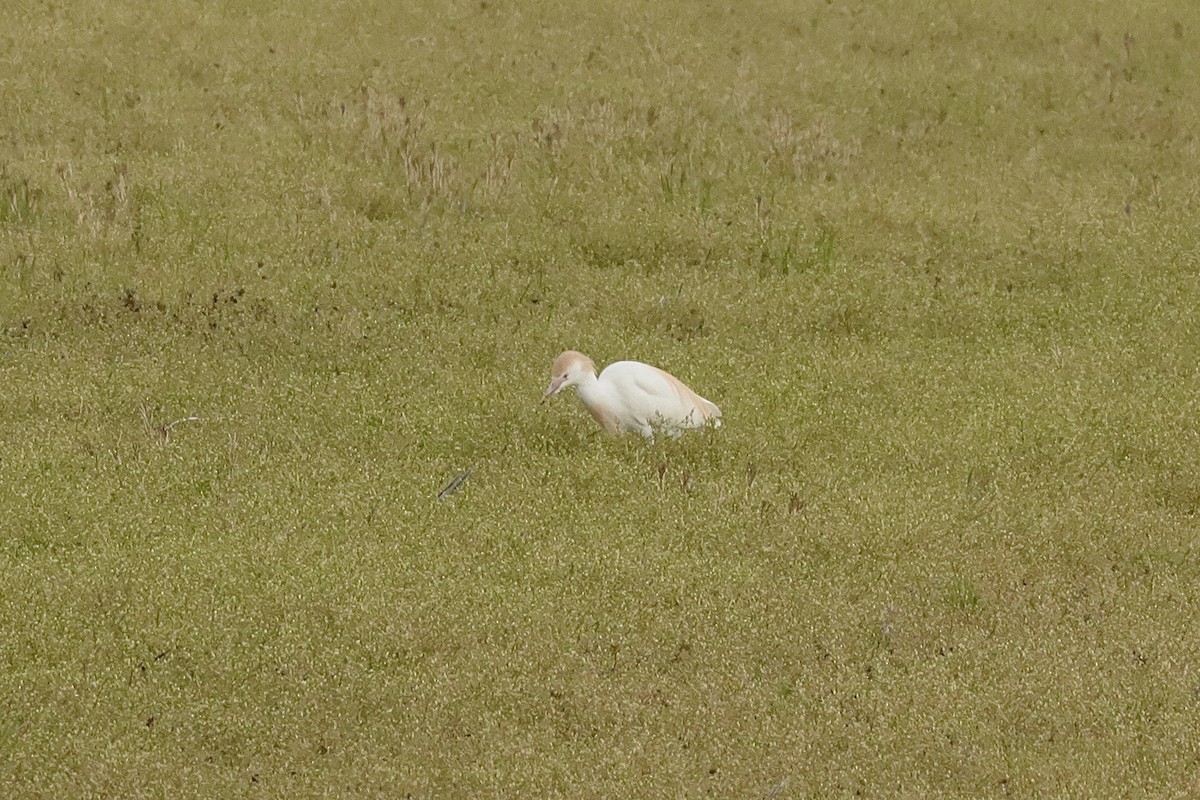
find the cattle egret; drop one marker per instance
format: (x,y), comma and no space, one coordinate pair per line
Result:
(632,396)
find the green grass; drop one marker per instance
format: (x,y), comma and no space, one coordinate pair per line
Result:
(938,266)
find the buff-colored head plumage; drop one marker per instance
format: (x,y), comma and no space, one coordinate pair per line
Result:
(568,369)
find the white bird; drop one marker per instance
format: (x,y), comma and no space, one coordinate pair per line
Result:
(632,396)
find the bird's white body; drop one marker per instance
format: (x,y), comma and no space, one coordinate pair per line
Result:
(632,396)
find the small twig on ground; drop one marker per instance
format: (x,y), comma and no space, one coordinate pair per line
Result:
(776,789)
(455,484)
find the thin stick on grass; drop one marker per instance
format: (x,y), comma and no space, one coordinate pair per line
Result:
(455,484)
(776,789)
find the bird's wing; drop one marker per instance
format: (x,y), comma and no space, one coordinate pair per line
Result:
(708,410)
(665,385)
(651,394)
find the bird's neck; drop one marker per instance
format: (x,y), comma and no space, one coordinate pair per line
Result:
(596,397)
(590,389)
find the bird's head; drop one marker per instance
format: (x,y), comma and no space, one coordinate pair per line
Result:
(569,369)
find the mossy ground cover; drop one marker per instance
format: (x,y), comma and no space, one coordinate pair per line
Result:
(271,274)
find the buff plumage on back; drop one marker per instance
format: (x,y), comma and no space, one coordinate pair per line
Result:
(707,408)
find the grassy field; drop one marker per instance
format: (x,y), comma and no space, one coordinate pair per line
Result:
(272,273)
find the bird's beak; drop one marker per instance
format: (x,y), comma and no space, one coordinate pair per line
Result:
(553,388)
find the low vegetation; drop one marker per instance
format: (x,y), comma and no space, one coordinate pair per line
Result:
(274,274)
